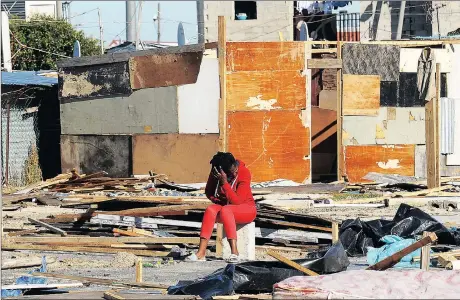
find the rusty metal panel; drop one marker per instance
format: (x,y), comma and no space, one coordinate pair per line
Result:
(95,153)
(184,158)
(265,90)
(164,69)
(260,56)
(273,144)
(385,159)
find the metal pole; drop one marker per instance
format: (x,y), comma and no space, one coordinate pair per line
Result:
(59,10)
(200,21)
(401,20)
(101,32)
(130,21)
(159,25)
(7,149)
(6,46)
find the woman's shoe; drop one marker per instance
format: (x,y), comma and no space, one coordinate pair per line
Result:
(233,259)
(193,257)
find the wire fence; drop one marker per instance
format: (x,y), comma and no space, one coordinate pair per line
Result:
(20,165)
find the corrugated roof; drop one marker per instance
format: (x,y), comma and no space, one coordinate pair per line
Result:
(28,78)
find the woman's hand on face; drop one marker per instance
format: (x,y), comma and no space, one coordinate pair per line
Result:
(219,175)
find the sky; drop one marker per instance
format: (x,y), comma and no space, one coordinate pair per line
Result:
(113,16)
(84,16)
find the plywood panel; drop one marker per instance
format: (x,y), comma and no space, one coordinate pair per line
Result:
(184,158)
(361,95)
(95,153)
(265,90)
(385,159)
(259,56)
(273,144)
(323,125)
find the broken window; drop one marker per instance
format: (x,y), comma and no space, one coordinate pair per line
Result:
(245,10)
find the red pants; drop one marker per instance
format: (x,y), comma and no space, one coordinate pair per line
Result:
(229,215)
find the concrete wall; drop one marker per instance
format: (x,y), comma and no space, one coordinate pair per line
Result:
(272,17)
(144,111)
(449,17)
(199,102)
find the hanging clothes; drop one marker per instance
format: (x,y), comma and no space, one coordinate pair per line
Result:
(426,75)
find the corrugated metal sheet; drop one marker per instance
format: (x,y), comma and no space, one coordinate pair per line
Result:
(28,78)
(447,125)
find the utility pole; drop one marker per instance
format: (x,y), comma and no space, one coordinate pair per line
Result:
(101,32)
(130,21)
(6,47)
(138,24)
(401,20)
(59,10)
(158,23)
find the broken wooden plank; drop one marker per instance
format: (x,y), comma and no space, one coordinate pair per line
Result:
(395,258)
(23,232)
(295,225)
(425,254)
(139,270)
(11,246)
(291,263)
(324,63)
(101,281)
(108,240)
(24,263)
(335,232)
(157,211)
(38,286)
(48,226)
(10,208)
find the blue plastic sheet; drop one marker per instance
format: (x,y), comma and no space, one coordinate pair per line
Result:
(393,244)
(27,280)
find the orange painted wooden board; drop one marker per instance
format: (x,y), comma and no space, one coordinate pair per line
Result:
(265,90)
(184,158)
(385,159)
(273,144)
(361,95)
(259,56)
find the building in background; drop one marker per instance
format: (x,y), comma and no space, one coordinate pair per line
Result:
(26,9)
(257,21)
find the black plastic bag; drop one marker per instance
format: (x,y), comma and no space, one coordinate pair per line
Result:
(260,276)
(356,235)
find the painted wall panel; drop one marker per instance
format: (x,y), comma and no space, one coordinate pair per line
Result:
(199,102)
(385,159)
(184,158)
(260,56)
(144,111)
(454,92)
(420,164)
(361,95)
(273,144)
(91,154)
(265,90)
(409,59)
(393,125)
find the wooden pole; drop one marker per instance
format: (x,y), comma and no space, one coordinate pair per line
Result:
(340,158)
(219,238)
(432,135)
(425,260)
(222,53)
(335,232)
(139,270)
(291,263)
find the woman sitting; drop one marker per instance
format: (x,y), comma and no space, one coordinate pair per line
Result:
(229,188)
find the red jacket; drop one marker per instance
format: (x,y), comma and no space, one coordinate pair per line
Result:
(239,194)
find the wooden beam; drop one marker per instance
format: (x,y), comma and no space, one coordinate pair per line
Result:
(291,263)
(156,211)
(222,54)
(111,295)
(45,286)
(432,136)
(48,226)
(325,63)
(24,263)
(425,254)
(219,240)
(11,246)
(335,232)
(295,225)
(327,50)
(139,270)
(101,281)
(395,258)
(340,153)
(109,240)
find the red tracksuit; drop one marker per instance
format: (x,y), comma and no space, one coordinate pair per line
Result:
(234,204)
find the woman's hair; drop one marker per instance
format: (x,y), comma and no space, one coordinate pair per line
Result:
(224,160)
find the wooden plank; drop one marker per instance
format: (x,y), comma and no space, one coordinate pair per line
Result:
(395,258)
(139,270)
(265,90)
(335,232)
(101,281)
(324,63)
(273,144)
(111,295)
(432,136)
(222,55)
(385,159)
(265,56)
(23,232)
(24,263)
(340,149)
(155,211)
(361,95)
(48,226)
(39,286)
(11,246)
(219,242)
(291,263)
(295,225)
(425,254)
(325,50)
(75,240)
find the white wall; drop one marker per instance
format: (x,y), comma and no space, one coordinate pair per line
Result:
(199,102)
(40,7)
(453,91)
